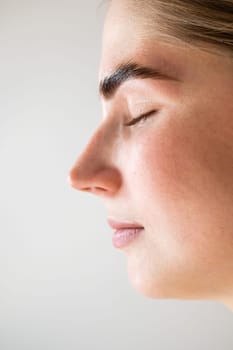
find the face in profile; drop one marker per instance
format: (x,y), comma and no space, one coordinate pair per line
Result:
(162,157)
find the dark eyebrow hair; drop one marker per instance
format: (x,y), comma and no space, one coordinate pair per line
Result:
(130,70)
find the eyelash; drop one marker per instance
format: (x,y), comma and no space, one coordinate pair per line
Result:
(141,117)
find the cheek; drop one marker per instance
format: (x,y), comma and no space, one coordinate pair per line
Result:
(185,160)
(188,245)
(162,174)
(163,163)
(180,179)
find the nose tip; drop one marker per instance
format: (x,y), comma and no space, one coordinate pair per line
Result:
(103,182)
(79,185)
(94,171)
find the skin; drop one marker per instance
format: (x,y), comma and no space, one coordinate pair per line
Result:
(173,172)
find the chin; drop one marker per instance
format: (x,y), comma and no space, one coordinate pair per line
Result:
(158,290)
(147,286)
(164,287)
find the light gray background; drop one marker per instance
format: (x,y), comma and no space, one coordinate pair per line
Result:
(62,284)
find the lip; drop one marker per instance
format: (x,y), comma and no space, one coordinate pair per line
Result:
(122,225)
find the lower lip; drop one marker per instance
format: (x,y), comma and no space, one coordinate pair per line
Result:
(123,237)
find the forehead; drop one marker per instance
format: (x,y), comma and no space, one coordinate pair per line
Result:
(124,40)
(119,37)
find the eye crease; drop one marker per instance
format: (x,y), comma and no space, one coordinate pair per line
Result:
(141,117)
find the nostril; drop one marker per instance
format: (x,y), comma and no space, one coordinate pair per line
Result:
(94,189)
(99,182)
(97,189)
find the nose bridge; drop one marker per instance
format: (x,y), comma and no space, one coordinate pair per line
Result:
(94,170)
(99,149)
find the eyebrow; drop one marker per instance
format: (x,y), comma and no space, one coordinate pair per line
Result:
(130,70)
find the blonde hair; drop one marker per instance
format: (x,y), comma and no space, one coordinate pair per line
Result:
(195,22)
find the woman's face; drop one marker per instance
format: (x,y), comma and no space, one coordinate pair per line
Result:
(172,172)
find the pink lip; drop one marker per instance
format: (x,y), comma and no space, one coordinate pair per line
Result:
(122,225)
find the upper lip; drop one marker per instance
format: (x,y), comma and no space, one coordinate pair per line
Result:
(120,225)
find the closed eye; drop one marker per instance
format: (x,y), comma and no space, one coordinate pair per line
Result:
(141,117)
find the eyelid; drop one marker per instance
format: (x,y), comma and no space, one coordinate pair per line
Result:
(142,116)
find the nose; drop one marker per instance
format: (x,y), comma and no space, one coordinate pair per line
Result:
(94,171)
